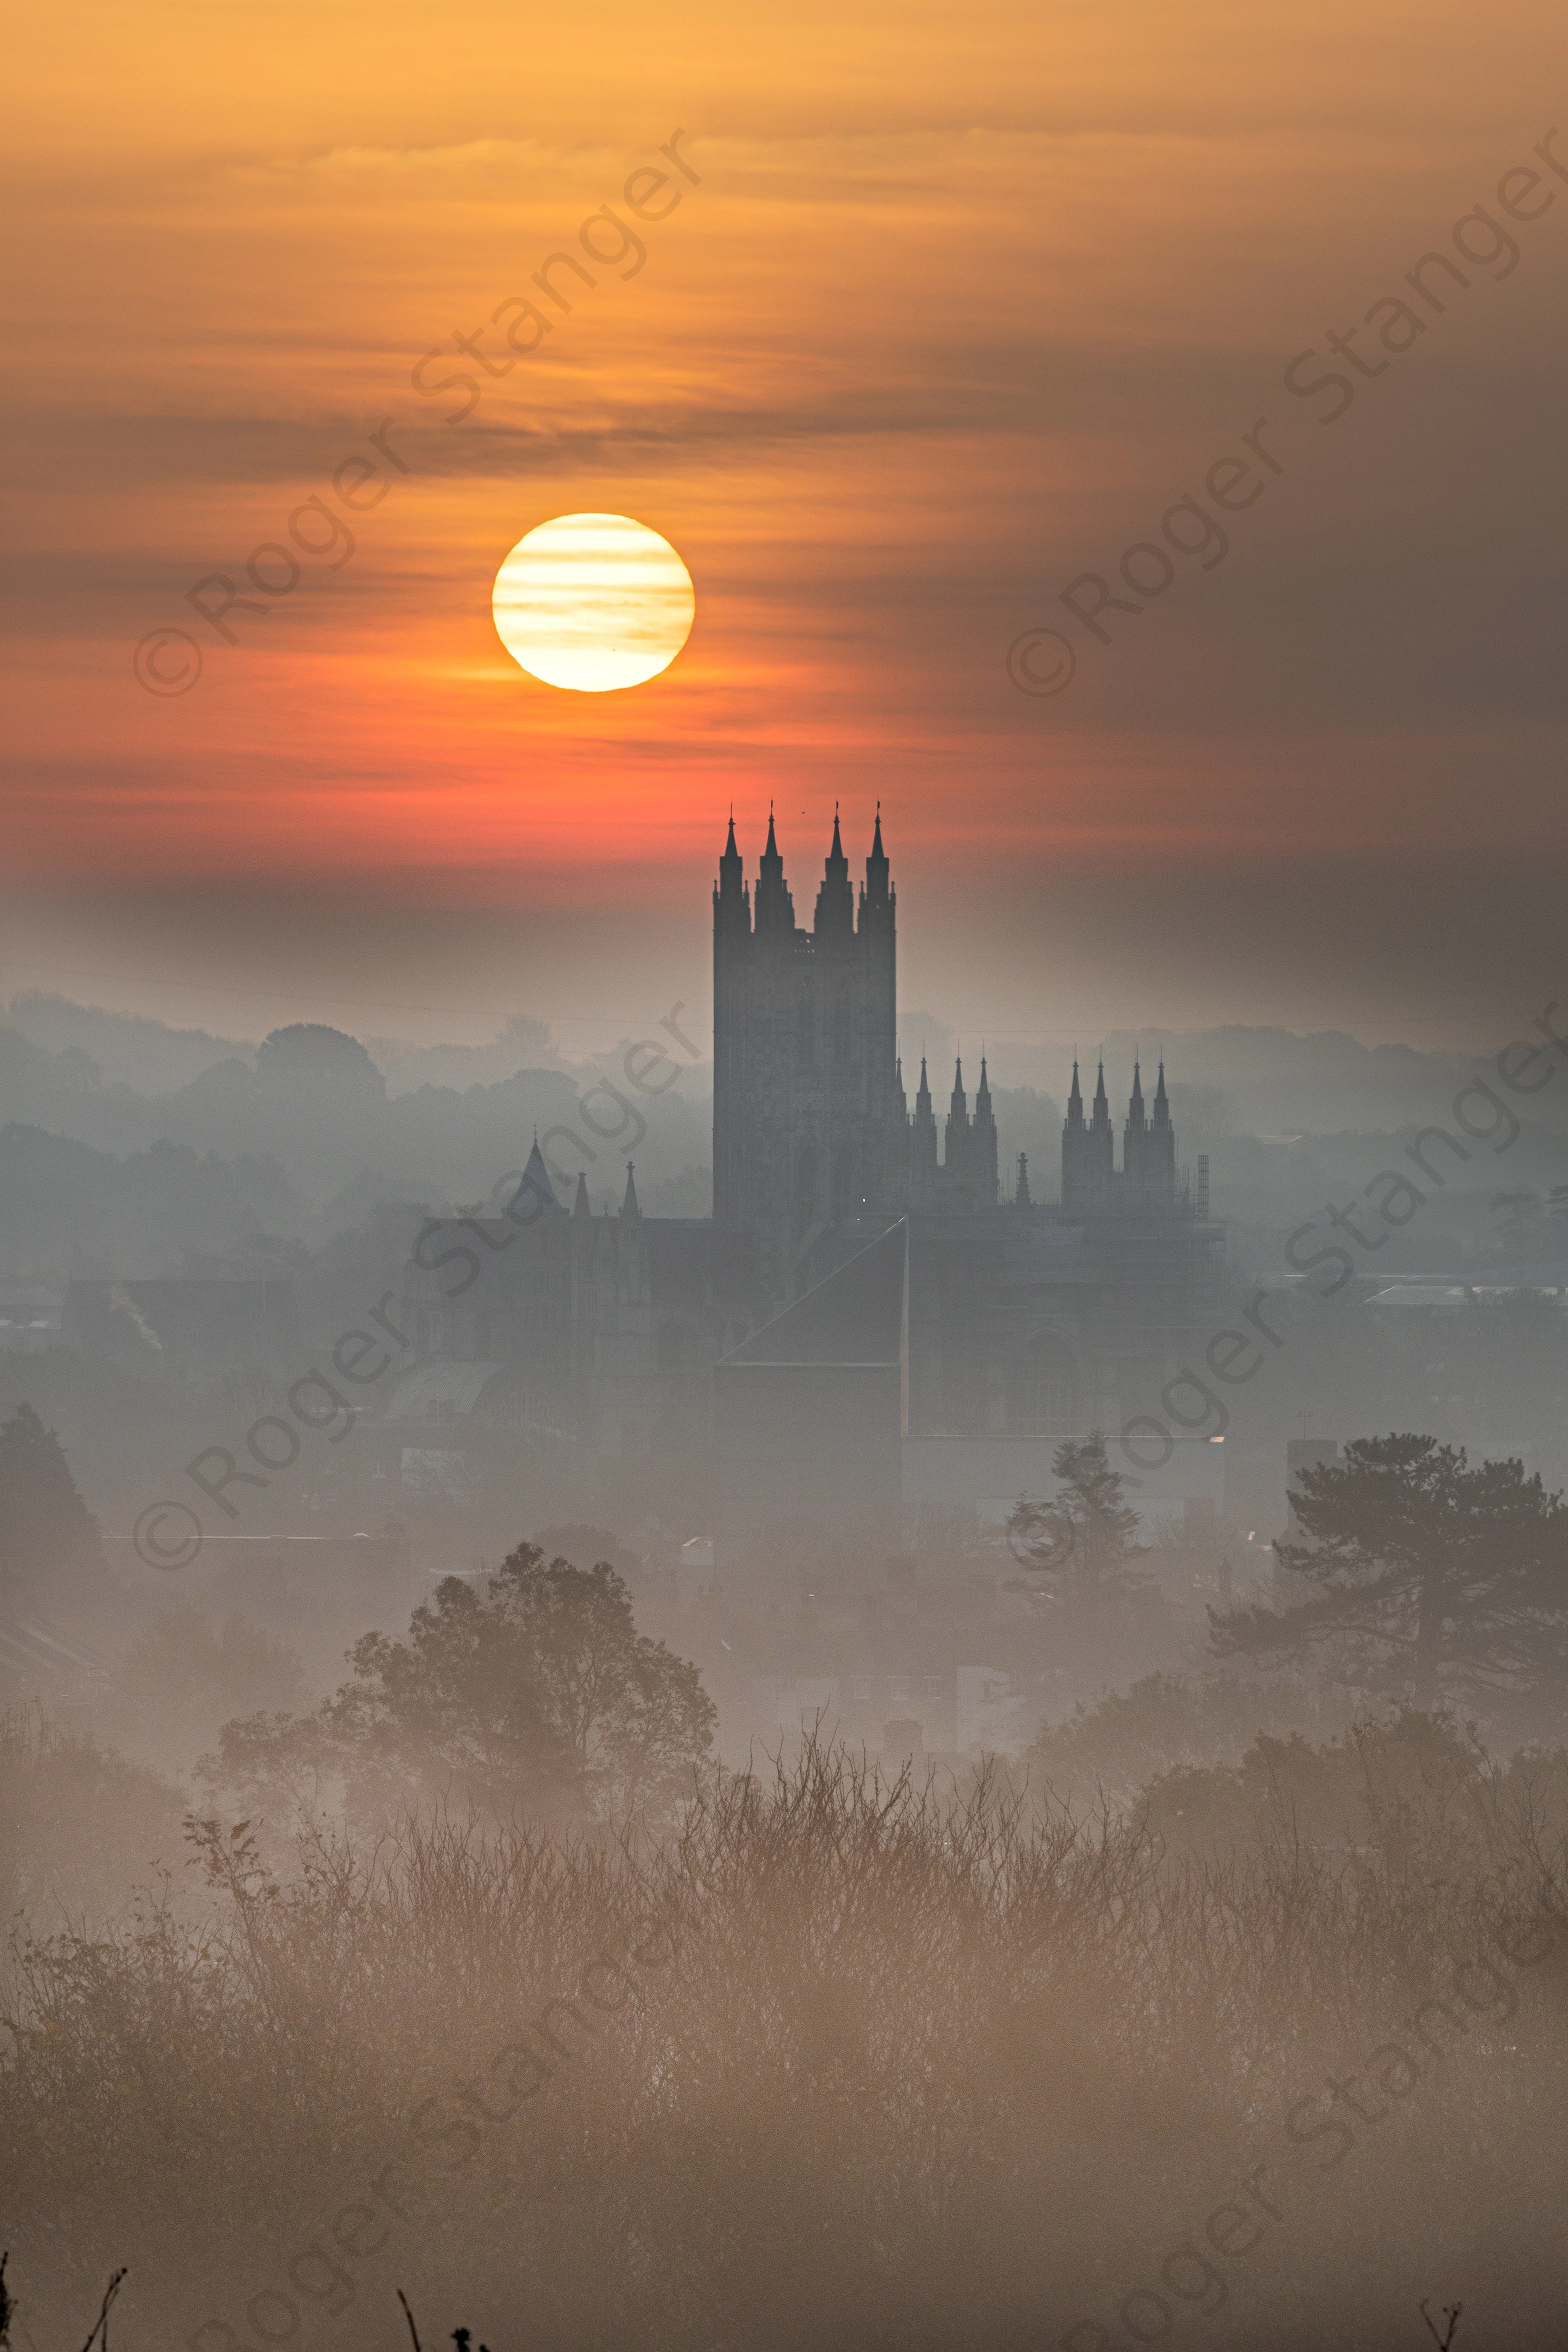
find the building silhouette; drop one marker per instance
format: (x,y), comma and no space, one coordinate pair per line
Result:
(812,1126)
(615,1336)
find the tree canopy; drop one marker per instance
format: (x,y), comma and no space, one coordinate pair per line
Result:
(1087,1531)
(536,1695)
(47,1535)
(1422,1577)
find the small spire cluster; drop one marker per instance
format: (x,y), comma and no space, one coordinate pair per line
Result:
(840,915)
(1147,1176)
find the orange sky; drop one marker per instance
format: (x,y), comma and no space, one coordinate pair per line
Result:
(960,304)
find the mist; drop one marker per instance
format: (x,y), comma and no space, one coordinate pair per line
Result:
(570,1757)
(783,1180)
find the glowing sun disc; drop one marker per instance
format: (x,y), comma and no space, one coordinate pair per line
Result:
(594,603)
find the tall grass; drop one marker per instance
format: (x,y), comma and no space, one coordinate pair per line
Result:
(894,2069)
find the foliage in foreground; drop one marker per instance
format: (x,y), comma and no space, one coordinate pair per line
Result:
(841,2063)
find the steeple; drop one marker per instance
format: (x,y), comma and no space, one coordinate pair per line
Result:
(1159,1145)
(957,1135)
(923,1133)
(732,899)
(536,1191)
(580,1206)
(629,1205)
(834,899)
(986,1140)
(1021,1195)
(1099,1163)
(876,895)
(983,1144)
(775,907)
(1075,1101)
(1135,1137)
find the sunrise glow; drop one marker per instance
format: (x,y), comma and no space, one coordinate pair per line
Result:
(594,603)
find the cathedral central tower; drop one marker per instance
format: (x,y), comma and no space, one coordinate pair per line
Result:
(810,1124)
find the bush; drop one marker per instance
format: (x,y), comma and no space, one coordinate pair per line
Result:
(838,2064)
(1107,1753)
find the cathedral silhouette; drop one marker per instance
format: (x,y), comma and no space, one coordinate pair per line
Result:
(864,1310)
(811,1122)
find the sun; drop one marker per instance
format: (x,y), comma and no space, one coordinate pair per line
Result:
(594,603)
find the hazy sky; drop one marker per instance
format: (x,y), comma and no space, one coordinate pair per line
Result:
(961,305)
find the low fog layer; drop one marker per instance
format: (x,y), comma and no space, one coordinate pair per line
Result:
(1125,1903)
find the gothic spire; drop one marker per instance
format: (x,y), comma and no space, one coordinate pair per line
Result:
(732,906)
(775,907)
(834,899)
(629,1205)
(535,1188)
(922,1096)
(876,891)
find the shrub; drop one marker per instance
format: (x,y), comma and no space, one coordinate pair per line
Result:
(840,2063)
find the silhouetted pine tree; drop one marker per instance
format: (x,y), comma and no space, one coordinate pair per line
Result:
(47,1532)
(1422,1572)
(1088,1528)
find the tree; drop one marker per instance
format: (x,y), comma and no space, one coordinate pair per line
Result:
(536,1695)
(1453,1579)
(1087,1531)
(46,1529)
